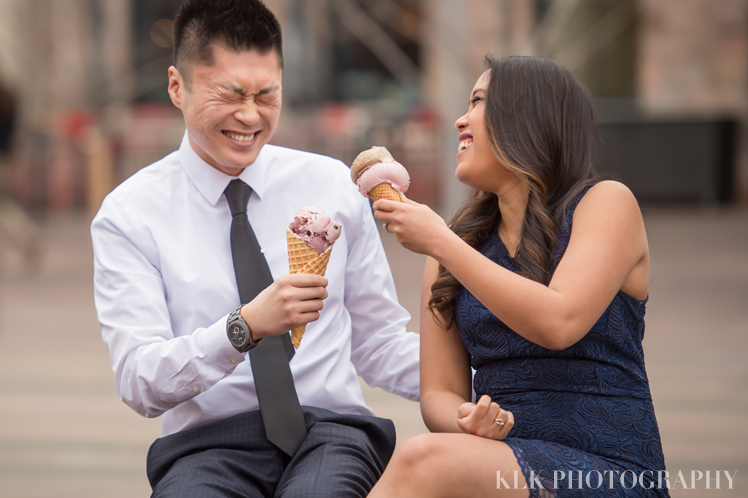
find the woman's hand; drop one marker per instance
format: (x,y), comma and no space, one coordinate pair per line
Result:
(485,419)
(416,226)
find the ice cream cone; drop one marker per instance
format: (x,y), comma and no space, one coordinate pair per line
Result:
(299,254)
(304,259)
(385,191)
(379,176)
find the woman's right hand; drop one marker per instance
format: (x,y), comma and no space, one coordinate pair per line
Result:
(480,419)
(417,227)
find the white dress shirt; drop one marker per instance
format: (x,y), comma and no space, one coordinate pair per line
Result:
(164,286)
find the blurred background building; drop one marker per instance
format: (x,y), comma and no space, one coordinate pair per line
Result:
(83,101)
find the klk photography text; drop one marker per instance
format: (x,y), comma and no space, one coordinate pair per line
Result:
(610,479)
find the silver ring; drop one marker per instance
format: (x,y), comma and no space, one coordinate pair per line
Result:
(499,422)
(385,225)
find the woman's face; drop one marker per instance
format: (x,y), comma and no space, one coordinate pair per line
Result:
(477,164)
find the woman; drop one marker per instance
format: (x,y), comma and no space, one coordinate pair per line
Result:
(540,285)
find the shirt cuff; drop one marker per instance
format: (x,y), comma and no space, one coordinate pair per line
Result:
(219,352)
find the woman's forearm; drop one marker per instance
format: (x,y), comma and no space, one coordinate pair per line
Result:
(439,410)
(608,242)
(512,297)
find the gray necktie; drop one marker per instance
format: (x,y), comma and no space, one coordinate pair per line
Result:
(276,393)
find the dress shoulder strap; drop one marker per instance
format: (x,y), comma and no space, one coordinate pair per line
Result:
(570,212)
(563,233)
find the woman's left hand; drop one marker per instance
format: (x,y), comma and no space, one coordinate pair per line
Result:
(485,419)
(416,226)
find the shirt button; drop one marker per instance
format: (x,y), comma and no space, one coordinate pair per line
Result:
(196,389)
(233,361)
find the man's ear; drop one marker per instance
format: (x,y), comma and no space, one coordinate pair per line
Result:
(176,86)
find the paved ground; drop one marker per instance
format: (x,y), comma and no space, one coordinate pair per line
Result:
(64,432)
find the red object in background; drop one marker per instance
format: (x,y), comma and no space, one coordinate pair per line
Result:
(74,125)
(336,119)
(426,116)
(65,169)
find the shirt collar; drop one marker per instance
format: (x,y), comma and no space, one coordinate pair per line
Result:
(211,182)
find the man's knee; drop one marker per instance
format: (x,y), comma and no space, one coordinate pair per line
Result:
(334,469)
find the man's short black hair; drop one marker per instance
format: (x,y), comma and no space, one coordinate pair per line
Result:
(238,24)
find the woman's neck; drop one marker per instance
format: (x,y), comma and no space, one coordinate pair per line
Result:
(512,205)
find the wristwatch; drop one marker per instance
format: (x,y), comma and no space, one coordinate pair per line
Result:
(240,335)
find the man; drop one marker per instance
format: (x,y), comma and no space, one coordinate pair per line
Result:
(191,274)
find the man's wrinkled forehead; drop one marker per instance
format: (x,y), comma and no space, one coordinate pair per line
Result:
(186,64)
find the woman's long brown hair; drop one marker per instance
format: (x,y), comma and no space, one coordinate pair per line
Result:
(540,122)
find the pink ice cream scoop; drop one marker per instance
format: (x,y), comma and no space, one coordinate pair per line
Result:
(315,228)
(378,175)
(388,171)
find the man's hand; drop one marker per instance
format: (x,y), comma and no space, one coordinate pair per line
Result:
(485,419)
(290,301)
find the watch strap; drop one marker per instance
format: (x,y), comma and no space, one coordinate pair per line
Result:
(235,316)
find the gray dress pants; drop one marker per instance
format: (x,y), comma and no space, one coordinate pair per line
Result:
(342,456)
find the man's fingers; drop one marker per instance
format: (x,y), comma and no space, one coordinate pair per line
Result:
(307,293)
(306,280)
(310,305)
(308,317)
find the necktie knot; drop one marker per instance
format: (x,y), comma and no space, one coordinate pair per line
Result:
(237,195)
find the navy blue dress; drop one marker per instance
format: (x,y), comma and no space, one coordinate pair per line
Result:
(586,408)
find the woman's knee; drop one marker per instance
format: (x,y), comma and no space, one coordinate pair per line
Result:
(419,454)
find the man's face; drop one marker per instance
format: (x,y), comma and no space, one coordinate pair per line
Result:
(231,108)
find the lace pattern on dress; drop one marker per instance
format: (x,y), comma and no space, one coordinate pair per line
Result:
(531,477)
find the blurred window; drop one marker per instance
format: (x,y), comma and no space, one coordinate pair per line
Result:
(375,46)
(152,47)
(595,39)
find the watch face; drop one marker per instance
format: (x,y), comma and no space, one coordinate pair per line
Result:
(237,335)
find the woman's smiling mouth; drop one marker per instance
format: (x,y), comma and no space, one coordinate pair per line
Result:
(464,145)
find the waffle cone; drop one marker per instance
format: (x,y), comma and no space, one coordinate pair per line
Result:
(384,191)
(296,334)
(304,259)
(299,254)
